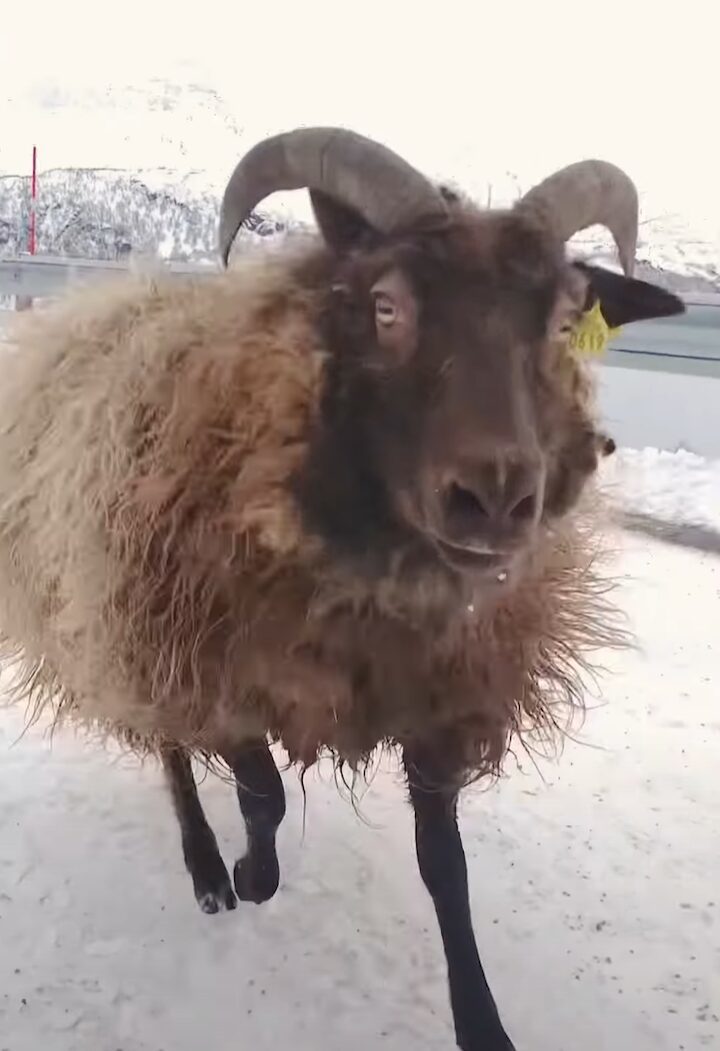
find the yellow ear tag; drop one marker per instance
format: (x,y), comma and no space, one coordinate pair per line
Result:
(592,333)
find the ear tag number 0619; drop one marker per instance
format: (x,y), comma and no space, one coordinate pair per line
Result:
(592,333)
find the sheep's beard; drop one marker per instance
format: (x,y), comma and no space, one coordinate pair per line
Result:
(420,655)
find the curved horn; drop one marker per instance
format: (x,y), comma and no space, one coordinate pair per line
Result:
(357,172)
(584,194)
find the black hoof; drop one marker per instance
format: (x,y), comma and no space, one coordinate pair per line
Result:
(257,876)
(211,881)
(211,901)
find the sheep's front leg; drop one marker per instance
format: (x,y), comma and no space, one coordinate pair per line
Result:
(443,868)
(210,878)
(262,802)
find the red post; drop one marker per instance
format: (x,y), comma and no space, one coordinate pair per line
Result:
(33,196)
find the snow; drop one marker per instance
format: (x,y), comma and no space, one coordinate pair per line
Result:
(674,486)
(593,879)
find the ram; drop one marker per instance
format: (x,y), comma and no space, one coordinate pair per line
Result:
(335,497)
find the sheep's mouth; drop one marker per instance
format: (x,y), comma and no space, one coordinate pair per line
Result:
(469,559)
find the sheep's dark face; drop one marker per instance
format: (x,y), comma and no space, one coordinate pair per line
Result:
(455,413)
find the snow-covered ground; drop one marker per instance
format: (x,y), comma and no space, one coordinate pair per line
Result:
(594,880)
(673,486)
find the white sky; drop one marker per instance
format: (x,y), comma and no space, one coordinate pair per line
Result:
(465,90)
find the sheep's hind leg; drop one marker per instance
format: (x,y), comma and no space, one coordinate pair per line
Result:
(211,881)
(444,871)
(262,801)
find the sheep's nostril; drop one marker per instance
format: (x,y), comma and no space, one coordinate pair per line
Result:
(524,509)
(463,505)
(493,506)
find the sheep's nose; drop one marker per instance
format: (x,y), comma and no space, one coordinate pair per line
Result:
(492,502)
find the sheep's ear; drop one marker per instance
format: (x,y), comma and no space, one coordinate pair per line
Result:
(625,299)
(342,228)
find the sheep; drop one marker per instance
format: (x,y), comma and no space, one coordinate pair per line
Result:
(337,497)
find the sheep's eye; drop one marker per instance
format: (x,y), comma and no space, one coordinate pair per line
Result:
(385,310)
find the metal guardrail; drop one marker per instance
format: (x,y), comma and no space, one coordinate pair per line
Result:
(38,277)
(688,344)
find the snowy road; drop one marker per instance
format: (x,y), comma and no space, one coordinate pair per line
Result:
(595,891)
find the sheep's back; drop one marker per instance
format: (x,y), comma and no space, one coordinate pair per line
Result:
(147,431)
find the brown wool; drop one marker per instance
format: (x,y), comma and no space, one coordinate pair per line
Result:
(155,580)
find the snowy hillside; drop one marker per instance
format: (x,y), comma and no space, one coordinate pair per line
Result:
(123,174)
(105,214)
(102,214)
(153,123)
(669,252)
(143,165)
